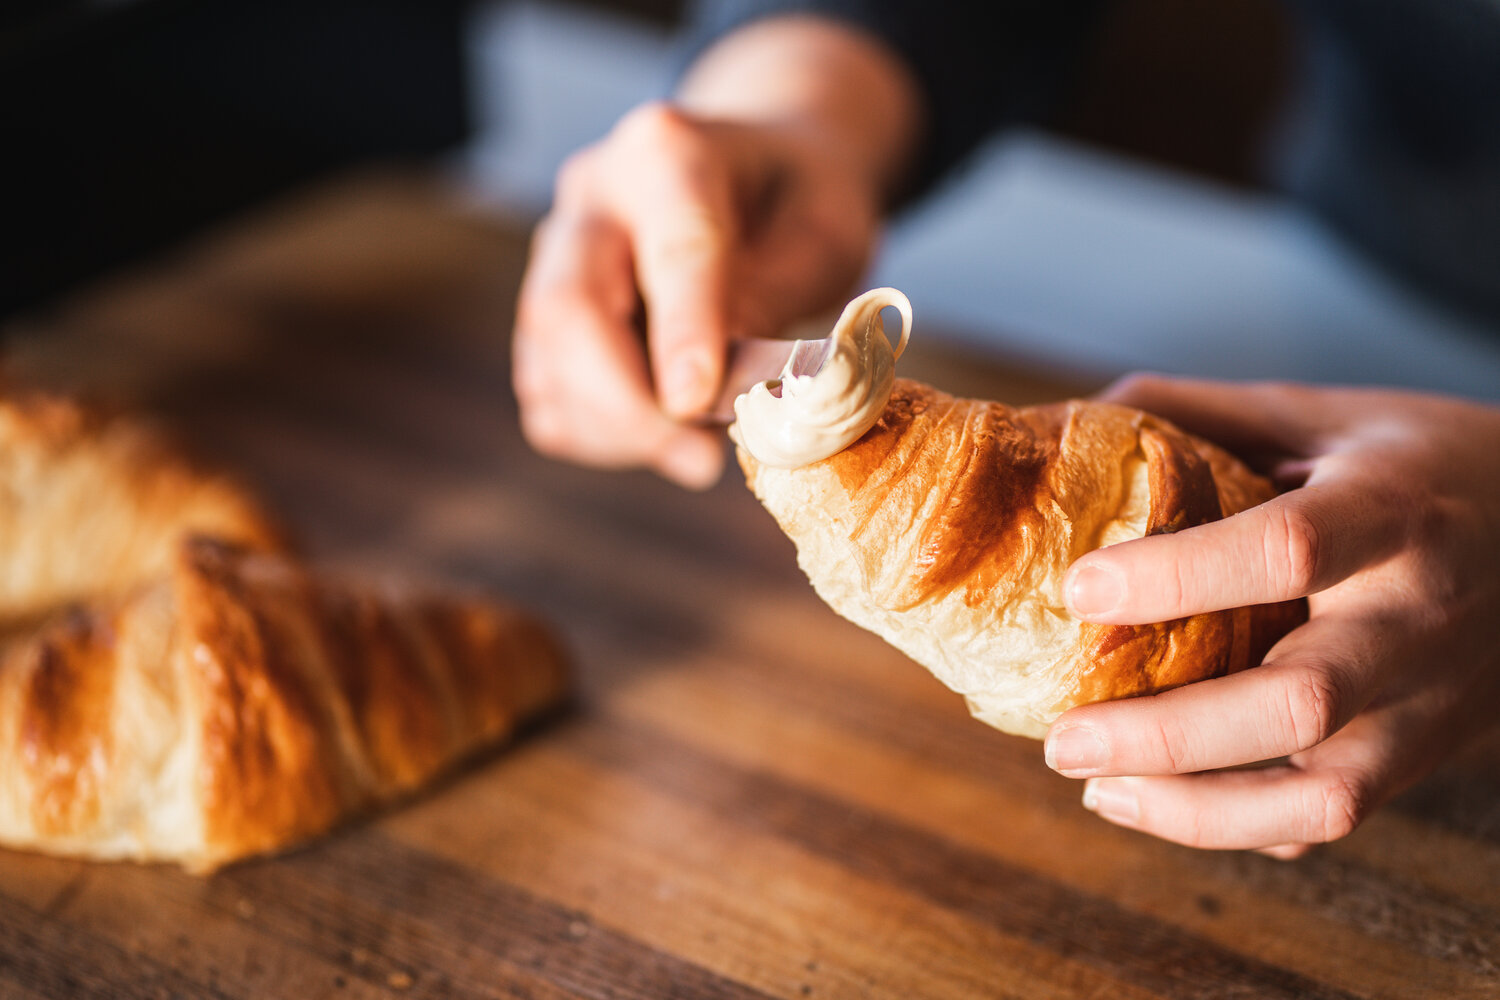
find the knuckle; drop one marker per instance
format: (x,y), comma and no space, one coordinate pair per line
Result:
(1176,745)
(666,149)
(1194,829)
(658,124)
(575,176)
(1441,531)
(1340,803)
(1293,551)
(1433,523)
(1313,708)
(1177,584)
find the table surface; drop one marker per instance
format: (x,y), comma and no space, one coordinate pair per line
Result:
(752,798)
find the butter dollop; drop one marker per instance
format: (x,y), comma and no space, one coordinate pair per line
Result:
(800,419)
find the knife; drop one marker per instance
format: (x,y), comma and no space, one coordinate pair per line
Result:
(751,361)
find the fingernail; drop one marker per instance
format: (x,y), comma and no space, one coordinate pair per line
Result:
(1095,590)
(693,463)
(685,388)
(1077,748)
(1113,800)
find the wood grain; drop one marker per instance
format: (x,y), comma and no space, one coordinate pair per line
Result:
(753,798)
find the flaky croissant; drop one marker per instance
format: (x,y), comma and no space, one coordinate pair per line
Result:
(947,529)
(93,504)
(238,705)
(170,696)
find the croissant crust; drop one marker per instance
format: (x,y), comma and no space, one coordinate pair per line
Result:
(947,529)
(185,689)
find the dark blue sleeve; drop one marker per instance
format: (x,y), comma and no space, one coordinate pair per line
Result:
(979,65)
(1395,137)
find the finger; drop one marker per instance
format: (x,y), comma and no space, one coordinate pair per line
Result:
(1291,546)
(676,198)
(1237,810)
(1247,418)
(691,457)
(579,369)
(572,348)
(1317,679)
(1317,797)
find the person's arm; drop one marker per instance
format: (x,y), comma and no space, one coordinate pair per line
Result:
(974,67)
(839,87)
(1392,532)
(749,201)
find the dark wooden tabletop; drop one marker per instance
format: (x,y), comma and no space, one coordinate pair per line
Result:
(752,797)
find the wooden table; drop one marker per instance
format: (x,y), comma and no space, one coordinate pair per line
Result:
(753,797)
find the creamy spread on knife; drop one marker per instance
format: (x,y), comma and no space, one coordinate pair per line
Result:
(800,419)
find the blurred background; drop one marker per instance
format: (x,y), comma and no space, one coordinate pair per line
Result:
(1135,235)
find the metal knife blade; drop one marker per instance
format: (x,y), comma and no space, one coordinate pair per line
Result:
(751,361)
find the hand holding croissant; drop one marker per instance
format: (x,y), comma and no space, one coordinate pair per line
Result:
(1092,572)
(1393,534)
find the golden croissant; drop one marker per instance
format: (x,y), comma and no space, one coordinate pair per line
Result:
(948,526)
(174,686)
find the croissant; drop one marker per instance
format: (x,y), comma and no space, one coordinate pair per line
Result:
(168,695)
(92,504)
(947,528)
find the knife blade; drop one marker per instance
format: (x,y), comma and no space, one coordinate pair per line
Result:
(751,361)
